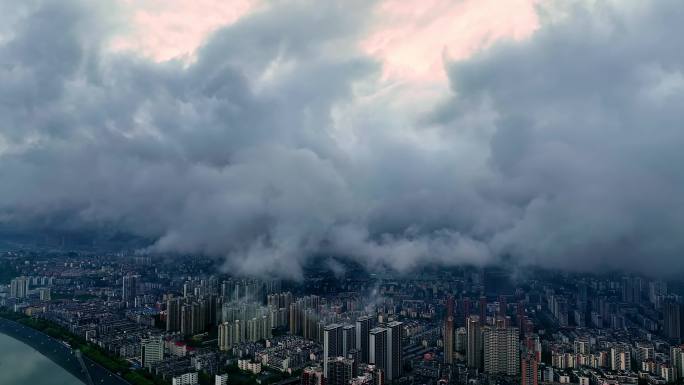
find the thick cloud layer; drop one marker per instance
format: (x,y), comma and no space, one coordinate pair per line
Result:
(278,143)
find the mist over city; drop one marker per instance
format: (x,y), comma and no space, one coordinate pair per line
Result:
(342,192)
(294,131)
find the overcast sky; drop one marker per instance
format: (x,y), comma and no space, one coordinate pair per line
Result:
(395,133)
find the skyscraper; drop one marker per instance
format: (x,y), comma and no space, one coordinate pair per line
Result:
(627,290)
(378,346)
(173,315)
(210,307)
(295,317)
(677,360)
(620,357)
(656,291)
(340,371)
(581,345)
(19,287)
(396,350)
(672,321)
(332,345)
(386,349)
(449,331)
(632,288)
(221,379)
(129,288)
(529,368)
(461,340)
(501,348)
(483,310)
(474,351)
(502,310)
(363,328)
(151,351)
(192,319)
(226,335)
(348,339)
(463,312)
(354,355)
(312,376)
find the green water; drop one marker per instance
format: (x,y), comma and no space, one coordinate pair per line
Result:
(20,364)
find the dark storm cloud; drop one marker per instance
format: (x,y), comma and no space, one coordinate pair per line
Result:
(562,150)
(588,137)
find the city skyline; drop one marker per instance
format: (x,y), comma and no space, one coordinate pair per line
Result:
(178,321)
(341,192)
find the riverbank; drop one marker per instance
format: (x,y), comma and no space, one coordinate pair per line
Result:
(45,345)
(59,353)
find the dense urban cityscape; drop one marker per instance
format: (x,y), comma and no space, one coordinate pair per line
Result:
(341,192)
(176,321)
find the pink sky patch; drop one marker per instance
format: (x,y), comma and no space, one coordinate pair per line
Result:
(412,37)
(167,29)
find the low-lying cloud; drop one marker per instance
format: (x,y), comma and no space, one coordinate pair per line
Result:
(280,142)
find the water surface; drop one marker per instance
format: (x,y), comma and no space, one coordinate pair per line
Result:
(20,364)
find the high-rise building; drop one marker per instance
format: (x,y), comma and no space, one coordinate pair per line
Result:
(673,327)
(129,288)
(151,351)
(210,304)
(677,360)
(396,350)
(44,293)
(348,339)
(501,348)
(632,289)
(340,371)
(657,290)
(502,310)
(192,319)
(279,300)
(532,345)
(627,290)
(354,355)
(483,310)
(461,340)
(474,350)
(668,373)
(173,315)
(19,287)
(449,331)
(559,309)
(386,349)
(644,351)
(332,345)
(304,317)
(581,346)
(620,358)
(258,328)
(378,346)
(363,328)
(221,379)
(462,312)
(529,370)
(312,376)
(226,335)
(185,379)
(295,318)
(312,326)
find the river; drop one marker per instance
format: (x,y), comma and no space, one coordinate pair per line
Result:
(54,352)
(20,364)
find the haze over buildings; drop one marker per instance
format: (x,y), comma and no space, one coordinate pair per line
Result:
(394,134)
(344,192)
